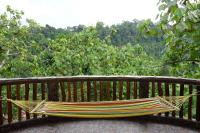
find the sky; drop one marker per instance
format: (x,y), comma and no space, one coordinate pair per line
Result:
(64,13)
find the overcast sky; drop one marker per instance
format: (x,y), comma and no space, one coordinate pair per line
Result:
(63,13)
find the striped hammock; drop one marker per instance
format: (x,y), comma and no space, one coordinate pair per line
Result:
(105,109)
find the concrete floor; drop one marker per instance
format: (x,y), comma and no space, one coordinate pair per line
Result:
(105,126)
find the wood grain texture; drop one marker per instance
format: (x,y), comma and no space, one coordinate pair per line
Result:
(181,94)
(166,94)
(143,89)
(62,88)
(53,94)
(18,98)
(120,90)
(1,112)
(108,90)
(88,90)
(198,104)
(160,91)
(43,90)
(75,91)
(153,89)
(173,94)
(114,90)
(135,90)
(82,91)
(27,98)
(9,105)
(95,90)
(101,91)
(34,95)
(190,103)
(69,91)
(128,85)
(100,78)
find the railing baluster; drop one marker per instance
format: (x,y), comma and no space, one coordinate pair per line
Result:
(62,91)
(127,90)
(166,89)
(153,89)
(120,89)
(114,90)
(27,98)
(88,90)
(75,91)
(173,94)
(95,90)
(9,105)
(108,90)
(101,90)
(160,92)
(135,90)
(18,98)
(82,91)
(43,92)
(190,104)
(34,95)
(198,104)
(69,91)
(1,112)
(181,94)
(166,94)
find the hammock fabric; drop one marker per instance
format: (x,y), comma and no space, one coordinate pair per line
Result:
(105,109)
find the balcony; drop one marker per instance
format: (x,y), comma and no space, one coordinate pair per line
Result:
(99,88)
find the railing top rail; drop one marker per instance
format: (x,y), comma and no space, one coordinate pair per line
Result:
(99,78)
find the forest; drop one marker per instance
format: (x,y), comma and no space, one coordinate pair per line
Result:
(168,47)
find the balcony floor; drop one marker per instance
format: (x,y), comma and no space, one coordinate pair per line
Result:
(104,126)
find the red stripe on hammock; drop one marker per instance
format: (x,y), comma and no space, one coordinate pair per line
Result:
(103,103)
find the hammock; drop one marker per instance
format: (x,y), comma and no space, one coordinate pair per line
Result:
(105,109)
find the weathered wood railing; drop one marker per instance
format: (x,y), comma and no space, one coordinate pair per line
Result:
(96,88)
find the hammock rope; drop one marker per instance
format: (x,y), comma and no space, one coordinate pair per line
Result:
(104,109)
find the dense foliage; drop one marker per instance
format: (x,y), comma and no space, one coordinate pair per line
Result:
(182,37)
(180,26)
(33,50)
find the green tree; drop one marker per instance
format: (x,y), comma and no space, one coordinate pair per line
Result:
(180,23)
(12,45)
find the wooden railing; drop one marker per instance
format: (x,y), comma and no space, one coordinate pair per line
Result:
(96,88)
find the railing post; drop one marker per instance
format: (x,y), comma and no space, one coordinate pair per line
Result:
(198,104)
(181,94)
(1,112)
(144,89)
(53,91)
(9,105)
